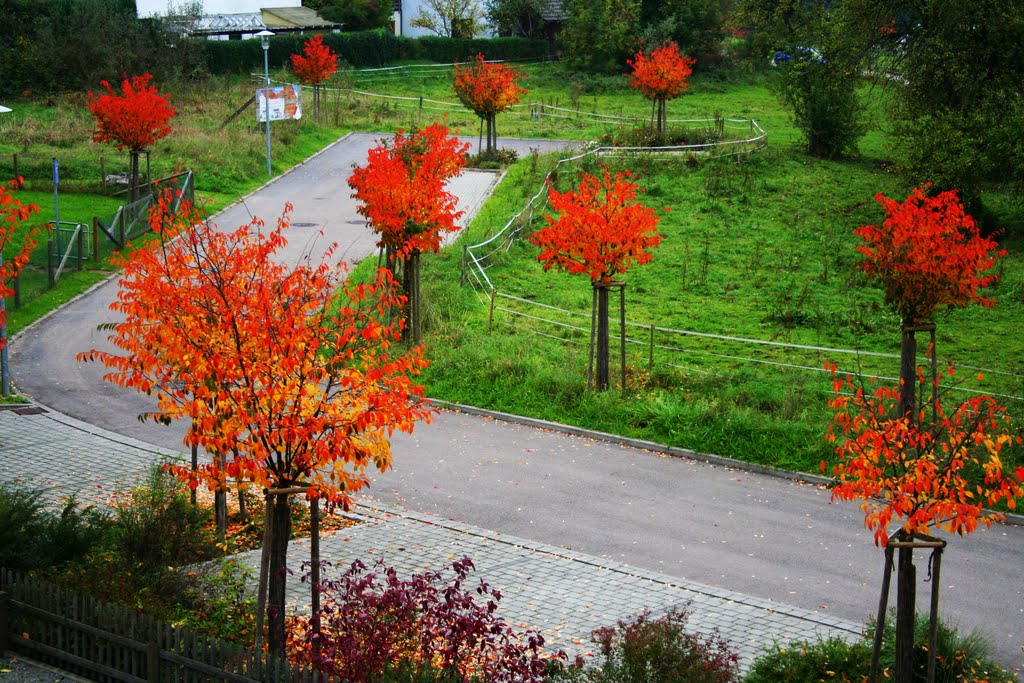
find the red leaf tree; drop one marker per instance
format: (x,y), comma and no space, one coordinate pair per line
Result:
(926,465)
(316,64)
(928,254)
(12,214)
(601,230)
(488,89)
(288,375)
(661,76)
(401,193)
(135,118)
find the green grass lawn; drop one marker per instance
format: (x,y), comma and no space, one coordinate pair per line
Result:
(759,248)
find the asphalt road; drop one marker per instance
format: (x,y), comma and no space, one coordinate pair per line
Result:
(756,534)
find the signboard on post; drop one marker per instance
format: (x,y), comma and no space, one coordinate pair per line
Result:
(285,103)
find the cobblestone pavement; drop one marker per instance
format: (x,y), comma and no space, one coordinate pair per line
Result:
(562,593)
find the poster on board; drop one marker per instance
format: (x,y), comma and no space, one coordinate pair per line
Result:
(285,103)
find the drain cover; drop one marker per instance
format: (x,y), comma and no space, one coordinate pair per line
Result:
(29,410)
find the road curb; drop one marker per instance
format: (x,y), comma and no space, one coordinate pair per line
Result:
(653,447)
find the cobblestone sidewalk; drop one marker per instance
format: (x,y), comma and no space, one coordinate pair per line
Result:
(562,593)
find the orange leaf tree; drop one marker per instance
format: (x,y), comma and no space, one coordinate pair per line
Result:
(12,214)
(488,89)
(601,230)
(288,374)
(931,468)
(661,76)
(135,118)
(401,193)
(316,64)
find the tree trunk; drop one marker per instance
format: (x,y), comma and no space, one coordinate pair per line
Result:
(277,574)
(908,372)
(602,338)
(661,118)
(411,284)
(906,588)
(133,193)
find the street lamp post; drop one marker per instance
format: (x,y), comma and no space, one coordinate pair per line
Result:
(265,42)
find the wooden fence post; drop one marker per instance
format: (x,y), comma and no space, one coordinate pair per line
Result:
(462,274)
(15,156)
(4,625)
(650,352)
(152,662)
(95,239)
(16,286)
(103,175)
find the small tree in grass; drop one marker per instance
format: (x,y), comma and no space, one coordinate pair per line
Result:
(316,64)
(932,466)
(401,193)
(488,89)
(661,76)
(601,230)
(136,118)
(288,375)
(12,214)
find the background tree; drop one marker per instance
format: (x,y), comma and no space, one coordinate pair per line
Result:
(450,18)
(286,373)
(820,64)
(316,64)
(928,254)
(694,25)
(661,76)
(599,35)
(136,118)
(12,214)
(517,17)
(488,89)
(355,15)
(401,193)
(601,230)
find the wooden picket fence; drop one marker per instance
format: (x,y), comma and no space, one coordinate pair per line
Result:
(105,642)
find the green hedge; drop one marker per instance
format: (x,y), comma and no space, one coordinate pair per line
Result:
(365,49)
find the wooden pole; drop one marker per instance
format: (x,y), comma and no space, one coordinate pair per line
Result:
(622,335)
(261,593)
(314,579)
(650,351)
(883,604)
(490,315)
(933,616)
(4,617)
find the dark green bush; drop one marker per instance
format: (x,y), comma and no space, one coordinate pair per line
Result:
(959,657)
(32,537)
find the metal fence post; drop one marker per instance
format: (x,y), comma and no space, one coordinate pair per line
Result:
(81,236)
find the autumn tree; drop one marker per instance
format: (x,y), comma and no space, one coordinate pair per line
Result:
(488,89)
(314,66)
(661,76)
(401,193)
(12,214)
(601,231)
(920,462)
(288,375)
(136,118)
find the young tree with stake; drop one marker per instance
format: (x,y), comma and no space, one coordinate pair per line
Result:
(289,375)
(314,66)
(136,118)
(488,89)
(601,230)
(661,76)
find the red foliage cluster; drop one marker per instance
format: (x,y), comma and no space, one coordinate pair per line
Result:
(601,230)
(661,75)
(12,214)
(374,623)
(136,118)
(317,63)
(928,253)
(401,190)
(488,89)
(919,471)
(285,373)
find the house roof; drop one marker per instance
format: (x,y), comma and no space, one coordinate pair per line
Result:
(284,18)
(269,18)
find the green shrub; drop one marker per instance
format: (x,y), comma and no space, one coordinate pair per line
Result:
(959,657)
(20,510)
(32,537)
(821,662)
